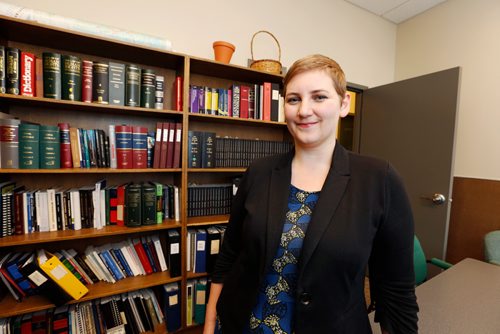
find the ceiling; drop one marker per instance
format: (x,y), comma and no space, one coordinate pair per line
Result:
(396,11)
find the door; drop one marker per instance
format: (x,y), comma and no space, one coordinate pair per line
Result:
(411,123)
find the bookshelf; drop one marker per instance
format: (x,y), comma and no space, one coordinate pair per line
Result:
(37,38)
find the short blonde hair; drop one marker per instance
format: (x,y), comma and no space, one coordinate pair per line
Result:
(318,62)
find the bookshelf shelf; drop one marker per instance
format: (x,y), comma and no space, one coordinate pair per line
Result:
(216,170)
(207,220)
(88,171)
(227,119)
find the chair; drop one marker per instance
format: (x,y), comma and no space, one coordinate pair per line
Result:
(420,262)
(492,247)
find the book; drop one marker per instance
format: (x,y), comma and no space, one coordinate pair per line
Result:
(200,265)
(171,145)
(71,85)
(208,150)
(235,98)
(157,147)
(76,151)
(39,77)
(132,85)
(155,239)
(200,299)
(275,95)
(133,205)
(159,94)
(66,158)
(174,256)
(123,134)
(141,254)
(148,200)
(29,142)
(9,143)
(27,75)
(148,88)
(12,69)
(177,94)
(177,145)
(244,105)
(50,147)
(139,147)
(213,247)
(194,148)
(189,302)
(2,70)
(52,75)
(172,306)
(266,101)
(100,83)
(116,83)
(159,201)
(87,66)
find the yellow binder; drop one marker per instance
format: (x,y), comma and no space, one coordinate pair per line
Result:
(51,265)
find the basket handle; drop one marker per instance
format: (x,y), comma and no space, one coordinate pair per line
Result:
(267,32)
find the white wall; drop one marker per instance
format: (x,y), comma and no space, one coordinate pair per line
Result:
(461,33)
(362,43)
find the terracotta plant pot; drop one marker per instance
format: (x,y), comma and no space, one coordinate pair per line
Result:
(223,51)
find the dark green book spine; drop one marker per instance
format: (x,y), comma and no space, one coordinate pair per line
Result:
(71,78)
(52,75)
(29,142)
(208,150)
(194,149)
(117,84)
(132,86)
(133,207)
(148,204)
(50,147)
(2,69)
(12,70)
(148,88)
(100,83)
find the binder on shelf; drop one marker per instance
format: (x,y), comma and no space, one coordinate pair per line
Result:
(200,265)
(61,275)
(213,247)
(172,306)
(174,256)
(200,301)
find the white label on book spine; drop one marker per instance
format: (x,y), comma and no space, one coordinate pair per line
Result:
(200,245)
(200,297)
(37,278)
(214,246)
(174,248)
(58,272)
(173,300)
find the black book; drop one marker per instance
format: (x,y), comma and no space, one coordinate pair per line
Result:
(194,148)
(117,84)
(52,75)
(174,256)
(132,86)
(148,88)
(133,206)
(213,247)
(148,204)
(208,150)
(12,69)
(71,78)
(100,83)
(2,69)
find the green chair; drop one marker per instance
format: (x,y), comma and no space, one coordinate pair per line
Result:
(492,247)
(420,262)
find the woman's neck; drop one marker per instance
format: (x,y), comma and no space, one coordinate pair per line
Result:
(310,167)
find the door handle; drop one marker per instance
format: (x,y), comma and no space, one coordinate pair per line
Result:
(437,198)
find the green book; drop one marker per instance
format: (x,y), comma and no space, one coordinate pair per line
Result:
(159,201)
(148,204)
(133,206)
(2,69)
(50,147)
(148,88)
(200,300)
(51,75)
(71,78)
(132,85)
(29,146)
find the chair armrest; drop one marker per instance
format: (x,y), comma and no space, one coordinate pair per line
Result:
(440,263)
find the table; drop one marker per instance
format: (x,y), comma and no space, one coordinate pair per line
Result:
(462,299)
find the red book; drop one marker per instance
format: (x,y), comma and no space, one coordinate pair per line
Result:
(171,146)
(28,71)
(38,77)
(120,204)
(157,148)
(87,81)
(123,134)
(141,253)
(113,205)
(139,147)
(244,93)
(66,157)
(164,145)
(266,102)
(230,102)
(18,213)
(177,146)
(177,101)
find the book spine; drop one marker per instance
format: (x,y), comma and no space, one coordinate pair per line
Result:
(178,91)
(133,207)
(87,66)
(148,204)
(236,101)
(28,70)
(9,143)
(29,141)
(112,146)
(123,135)
(132,86)
(148,88)
(160,86)
(71,86)
(244,92)
(66,158)
(52,75)
(193,99)
(2,70)
(50,154)
(116,84)
(194,152)
(139,147)
(208,150)
(100,83)
(38,77)
(12,69)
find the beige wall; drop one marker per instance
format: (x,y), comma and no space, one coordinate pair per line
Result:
(366,51)
(467,34)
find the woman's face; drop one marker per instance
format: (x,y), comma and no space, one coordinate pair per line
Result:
(313,108)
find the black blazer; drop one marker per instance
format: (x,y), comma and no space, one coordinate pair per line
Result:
(362,219)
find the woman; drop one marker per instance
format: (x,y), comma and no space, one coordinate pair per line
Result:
(305,226)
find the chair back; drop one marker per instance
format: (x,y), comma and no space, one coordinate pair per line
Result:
(492,247)
(419,262)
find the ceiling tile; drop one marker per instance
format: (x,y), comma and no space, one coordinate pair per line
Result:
(378,7)
(410,9)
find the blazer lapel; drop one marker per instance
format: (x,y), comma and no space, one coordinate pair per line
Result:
(329,199)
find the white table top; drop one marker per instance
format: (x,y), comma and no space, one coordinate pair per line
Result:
(462,299)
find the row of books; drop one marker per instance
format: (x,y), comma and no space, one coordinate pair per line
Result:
(207,150)
(258,101)
(202,247)
(68,77)
(25,211)
(133,312)
(209,199)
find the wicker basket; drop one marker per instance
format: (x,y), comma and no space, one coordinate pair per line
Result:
(266,65)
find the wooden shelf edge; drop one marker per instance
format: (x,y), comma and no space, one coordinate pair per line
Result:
(257,122)
(207,220)
(88,170)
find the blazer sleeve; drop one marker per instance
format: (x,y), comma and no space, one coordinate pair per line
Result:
(391,271)
(231,244)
